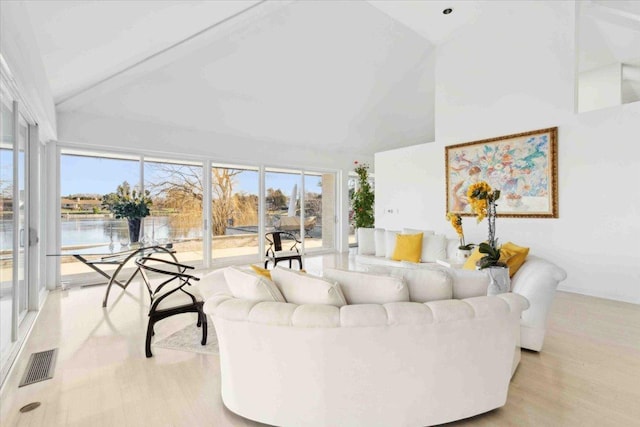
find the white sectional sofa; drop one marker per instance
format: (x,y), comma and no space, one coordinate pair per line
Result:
(536,280)
(353,359)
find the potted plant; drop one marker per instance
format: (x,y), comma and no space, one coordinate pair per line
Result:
(132,205)
(362,199)
(464,249)
(483,203)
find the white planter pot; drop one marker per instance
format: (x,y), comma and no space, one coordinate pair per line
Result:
(463,254)
(499,280)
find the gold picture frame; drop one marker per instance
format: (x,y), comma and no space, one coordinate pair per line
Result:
(523,166)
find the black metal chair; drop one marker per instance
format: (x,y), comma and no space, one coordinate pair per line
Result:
(275,253)
(170,296)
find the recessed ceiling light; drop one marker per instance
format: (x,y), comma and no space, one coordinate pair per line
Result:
(447,11)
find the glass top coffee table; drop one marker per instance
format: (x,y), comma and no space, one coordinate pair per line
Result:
(115,255)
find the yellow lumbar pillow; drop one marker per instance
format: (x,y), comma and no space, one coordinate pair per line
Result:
(261,271)
(408,247)
(267,273)
(515,256)
(510,254)
(470,263)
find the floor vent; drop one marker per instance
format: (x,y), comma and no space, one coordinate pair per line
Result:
(40,367)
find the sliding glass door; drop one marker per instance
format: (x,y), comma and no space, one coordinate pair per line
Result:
(7,144)
(177,192)
(14,239)
(234,211)
(20,210)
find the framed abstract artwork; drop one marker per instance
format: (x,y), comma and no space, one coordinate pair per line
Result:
(523,166)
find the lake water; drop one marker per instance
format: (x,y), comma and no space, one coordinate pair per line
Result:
(85,231)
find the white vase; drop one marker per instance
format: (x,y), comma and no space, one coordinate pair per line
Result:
(463,254)
(499,281)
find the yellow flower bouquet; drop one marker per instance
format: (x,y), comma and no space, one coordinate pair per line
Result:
(456,222)
(482,199)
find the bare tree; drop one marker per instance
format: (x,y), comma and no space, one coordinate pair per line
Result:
(181,188)
(223,203)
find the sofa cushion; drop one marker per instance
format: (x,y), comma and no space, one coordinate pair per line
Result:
(434,247)
(301,288)
(467,283)
(408,247)
(379,237)
(246,284)
(389,242)
(514,255)
(428,284)
(366,241)
(416,231)
(363,288)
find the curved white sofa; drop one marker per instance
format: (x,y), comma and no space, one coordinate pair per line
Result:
(394,364)
(537,280)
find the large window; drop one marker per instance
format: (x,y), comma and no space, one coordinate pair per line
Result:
(319,210)
(216,213)
(7,143)
(176,216)
(234,211)
(84,223)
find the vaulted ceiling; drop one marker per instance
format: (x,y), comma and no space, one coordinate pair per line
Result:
(342,75)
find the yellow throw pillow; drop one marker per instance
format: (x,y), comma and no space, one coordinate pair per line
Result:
(470,263)
(262,271)
(408,247)
(515,256)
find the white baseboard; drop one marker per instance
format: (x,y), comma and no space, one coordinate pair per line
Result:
(605,295)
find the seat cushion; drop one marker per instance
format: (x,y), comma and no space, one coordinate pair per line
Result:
(301,288)
(364,288)
(246,284)
(284,254)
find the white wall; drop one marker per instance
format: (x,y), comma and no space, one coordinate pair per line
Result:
(489,84)
(20,51)
(600,88)
(109,133)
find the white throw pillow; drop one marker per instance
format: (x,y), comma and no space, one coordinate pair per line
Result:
(434,248)
(416,231)
(379,236)
(366,241)
(363,288)
(427,284)
(390,243)
(248,285)
(303,288)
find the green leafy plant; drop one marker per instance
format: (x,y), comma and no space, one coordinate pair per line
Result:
(492,256)
(363,198)
(125,203)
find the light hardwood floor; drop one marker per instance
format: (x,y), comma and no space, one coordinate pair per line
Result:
(587,375)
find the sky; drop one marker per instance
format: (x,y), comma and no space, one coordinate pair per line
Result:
(95,175)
